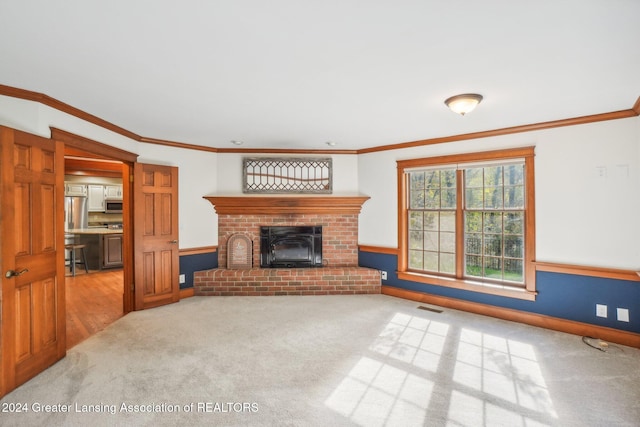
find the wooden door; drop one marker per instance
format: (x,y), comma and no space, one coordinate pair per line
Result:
(33,330)
(155,211)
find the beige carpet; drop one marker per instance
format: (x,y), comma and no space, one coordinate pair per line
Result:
(367,360)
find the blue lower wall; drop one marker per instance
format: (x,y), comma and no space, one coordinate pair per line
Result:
(192,263)
(564,296)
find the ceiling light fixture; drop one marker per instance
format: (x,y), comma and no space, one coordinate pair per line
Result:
(234,142)
(330,143)
(463,104)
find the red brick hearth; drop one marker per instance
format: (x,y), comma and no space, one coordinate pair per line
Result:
(288,281)
(338,217)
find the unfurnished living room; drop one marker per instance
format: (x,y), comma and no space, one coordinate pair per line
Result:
(320,213)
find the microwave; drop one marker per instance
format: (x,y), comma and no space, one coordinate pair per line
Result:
(113,206)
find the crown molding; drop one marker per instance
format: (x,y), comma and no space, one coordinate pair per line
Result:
(622,114)
(177,144)
(636,107)
(283,151)
(66,108)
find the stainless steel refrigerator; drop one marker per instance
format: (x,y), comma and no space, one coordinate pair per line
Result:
(76,214)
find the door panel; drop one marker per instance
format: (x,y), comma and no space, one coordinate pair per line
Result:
(32,329)
(155,235)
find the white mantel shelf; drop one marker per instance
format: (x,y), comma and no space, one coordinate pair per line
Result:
(272,204)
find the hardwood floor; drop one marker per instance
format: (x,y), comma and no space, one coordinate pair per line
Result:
(94,301)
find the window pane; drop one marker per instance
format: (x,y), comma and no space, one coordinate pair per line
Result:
(448,197)
(415,220)
(493,268)
(432,199)
(448,178)
(447,263)
(432,179)
(431,240)
(514,270)
(448,221)
(447,242)
(416,199)
(473,222)
(493,222)
(415,260)
(473,266)
(493,244)
(431,221)
(493,198)
(473,178)
(473,244)
(417,180)
(514,197)
(493,176)
(513,222)
(473,198)
(431,261)
(514,175)
(513,246)
(415,240)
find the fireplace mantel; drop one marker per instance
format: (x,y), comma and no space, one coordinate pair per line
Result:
(286,204)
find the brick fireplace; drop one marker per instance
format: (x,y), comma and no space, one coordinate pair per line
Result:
(338,216)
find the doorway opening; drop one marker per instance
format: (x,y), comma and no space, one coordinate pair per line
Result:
(95,297)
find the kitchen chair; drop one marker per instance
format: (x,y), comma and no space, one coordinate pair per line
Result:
(73,260)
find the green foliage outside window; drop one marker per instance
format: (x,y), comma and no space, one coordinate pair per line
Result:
(493,209)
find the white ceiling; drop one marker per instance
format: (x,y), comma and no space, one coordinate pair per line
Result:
(297,73)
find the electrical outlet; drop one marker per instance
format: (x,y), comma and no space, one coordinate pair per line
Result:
(182,278)
(601,310)
(623,314)
(383,275)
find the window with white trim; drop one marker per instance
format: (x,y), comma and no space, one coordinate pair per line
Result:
(469,219)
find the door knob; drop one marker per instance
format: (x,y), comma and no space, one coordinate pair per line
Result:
(12,273)
(173,242)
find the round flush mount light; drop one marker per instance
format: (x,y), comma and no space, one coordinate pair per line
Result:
(463,104)
(234,142)
(331,143)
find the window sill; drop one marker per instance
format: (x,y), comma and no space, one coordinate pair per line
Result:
(469,285)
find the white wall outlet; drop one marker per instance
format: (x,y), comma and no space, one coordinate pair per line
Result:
(383,275)
(182,278)
(623,314)
(601,310)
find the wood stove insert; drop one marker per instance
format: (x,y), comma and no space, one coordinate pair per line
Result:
(290,246)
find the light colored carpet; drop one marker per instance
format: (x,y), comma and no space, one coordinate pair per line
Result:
(368,360)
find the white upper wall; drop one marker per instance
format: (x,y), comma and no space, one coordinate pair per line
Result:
(196,169)
(198,224)
(581,218)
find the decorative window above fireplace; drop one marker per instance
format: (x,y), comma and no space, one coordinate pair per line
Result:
(287,175)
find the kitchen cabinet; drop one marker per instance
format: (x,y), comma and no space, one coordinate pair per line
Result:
(92,249)
(95,198)
(113,191)
(103,247)
(71,189)
(112,250)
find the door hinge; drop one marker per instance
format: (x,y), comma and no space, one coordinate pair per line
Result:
(131,178)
